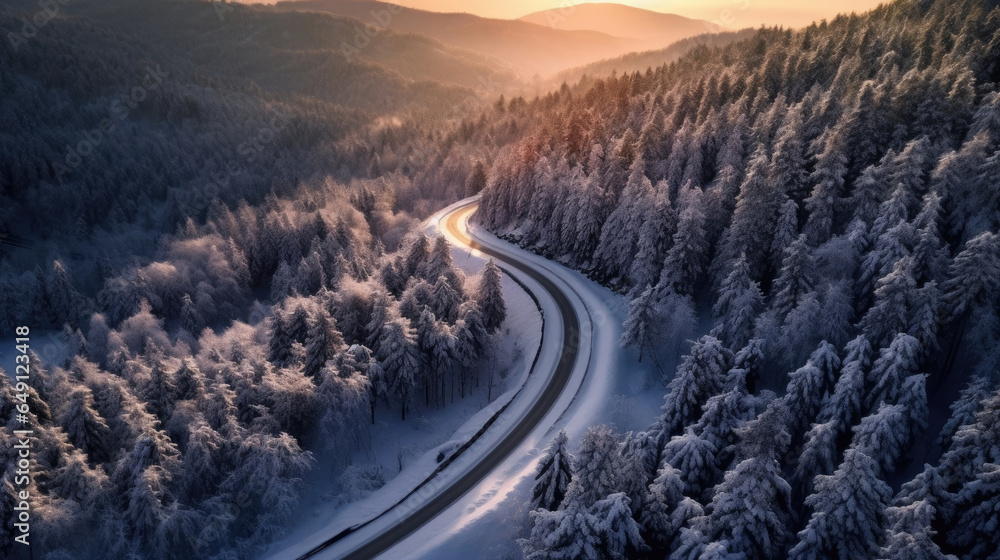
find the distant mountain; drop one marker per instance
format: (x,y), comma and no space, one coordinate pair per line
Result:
(641,61)
(651,30)
(302,54)
(533,49)
(224,76)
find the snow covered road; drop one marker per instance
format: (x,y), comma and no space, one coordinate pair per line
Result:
(524,422)
(580,378)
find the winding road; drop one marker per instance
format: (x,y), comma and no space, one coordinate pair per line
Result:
(542,405)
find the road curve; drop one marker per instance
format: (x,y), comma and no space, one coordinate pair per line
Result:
(540,408)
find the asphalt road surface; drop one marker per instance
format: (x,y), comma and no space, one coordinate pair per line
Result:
(542,406)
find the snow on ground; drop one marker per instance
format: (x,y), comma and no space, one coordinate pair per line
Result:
(617,390)
(609,386)
(427,433)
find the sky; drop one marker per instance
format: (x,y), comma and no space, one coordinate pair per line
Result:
(734,14)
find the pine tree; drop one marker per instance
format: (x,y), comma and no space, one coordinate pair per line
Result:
(599,465)
(788,164)
(439,262)
(620,234)
(752,229)
(819,456)
(747,367)
(655,234)
(694,457)
(976,532)
(638,469)
(867,193)
(659,525)
(399,358)
(638,327)
(804,396)
(925,317)
(739,302)
(910,536)
(85,427)
(954,178)
(893,365)
(964,409)
(786,232)
(686,258)
(929,253)
(859,350)
(378,386)
(848,510)
(322,343)
(844,407)
(189,381)
(158,391)
(883,436)
(144,513)
(751,508)
(618,532)
(894,295)
(893,236)
(692,542)
(828,181)
(445,301)
(489,298)
(298,325)
(554,473)
(973,445)
(67,305)
(592,210)
(416,255)
(699,376)
(570,534)
(381,310)
(721,417)
(795,279)
(914,403)
(974,276)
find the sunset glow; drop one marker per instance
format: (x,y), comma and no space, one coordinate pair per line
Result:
(730,13)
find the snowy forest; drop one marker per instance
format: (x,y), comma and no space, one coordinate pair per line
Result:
(819,211)
(805,224)
(157,424)
(235,276)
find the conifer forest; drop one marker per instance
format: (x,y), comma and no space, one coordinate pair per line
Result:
(236,321)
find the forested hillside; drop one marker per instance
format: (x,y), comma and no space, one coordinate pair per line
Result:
(831,196)
(208,205)
(128,117)
(216,205)
(158,437)
(640,61)
(650,29)
(530,48)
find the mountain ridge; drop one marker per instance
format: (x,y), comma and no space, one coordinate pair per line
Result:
(652,30)
(531,47)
